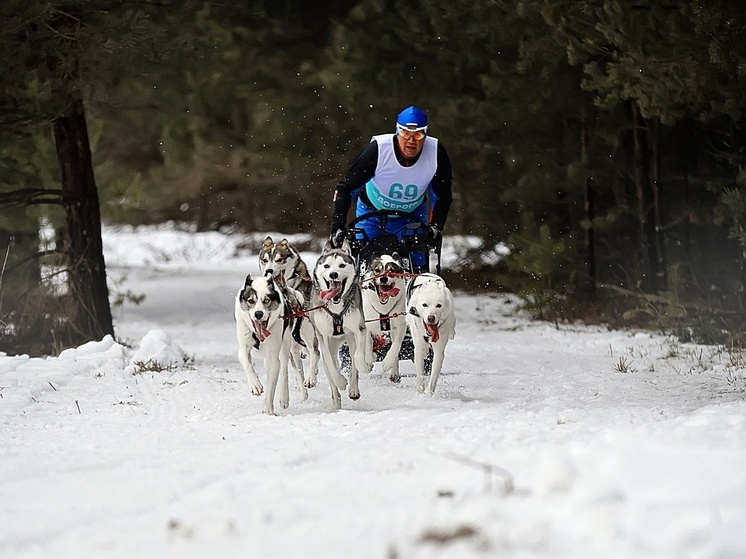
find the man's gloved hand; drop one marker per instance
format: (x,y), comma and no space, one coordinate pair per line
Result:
(434,236)
(337,237)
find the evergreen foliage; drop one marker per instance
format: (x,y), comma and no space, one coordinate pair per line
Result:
(603,140)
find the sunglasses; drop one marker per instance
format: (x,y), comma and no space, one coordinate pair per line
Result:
(406,133)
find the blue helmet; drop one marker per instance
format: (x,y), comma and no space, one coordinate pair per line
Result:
(412,118)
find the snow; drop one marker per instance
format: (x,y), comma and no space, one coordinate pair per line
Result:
(541,441)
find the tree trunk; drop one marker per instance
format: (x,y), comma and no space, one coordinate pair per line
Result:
(655,173)
(645,202)
(589,212)
(91,318)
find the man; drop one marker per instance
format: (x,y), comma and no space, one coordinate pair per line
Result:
(407,171)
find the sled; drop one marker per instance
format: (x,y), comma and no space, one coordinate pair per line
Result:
(414,241)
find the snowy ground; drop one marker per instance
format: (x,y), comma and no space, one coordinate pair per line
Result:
(553,442)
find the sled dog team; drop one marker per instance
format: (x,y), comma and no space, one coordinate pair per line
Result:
(286,313)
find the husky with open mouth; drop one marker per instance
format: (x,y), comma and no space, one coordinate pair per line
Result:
(384,309)
(432,322)
(264,323)
(287,267)
(337,291)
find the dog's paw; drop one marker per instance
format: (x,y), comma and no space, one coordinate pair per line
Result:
(257,389)
(269,410)
(340,382)
(390,361)
(284,404)
(303,394)
(354,394)
(395,377)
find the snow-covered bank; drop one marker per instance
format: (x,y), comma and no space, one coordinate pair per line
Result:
(540,441)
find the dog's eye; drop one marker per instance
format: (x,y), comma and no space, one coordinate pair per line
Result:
(266,300)
(439,305)
(251,301)
(327,266)
(424,304)
(343,265)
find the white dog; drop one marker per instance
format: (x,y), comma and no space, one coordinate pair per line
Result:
(288,268)
(431,321)
(341,319)
(384,308)
(264,322)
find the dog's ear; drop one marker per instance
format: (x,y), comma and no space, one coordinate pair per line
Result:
(396,257)
(327,247)
(346,247)
(248,281)
(268,243)
(283,243)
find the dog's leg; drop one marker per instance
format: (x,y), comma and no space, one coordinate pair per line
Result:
(438,353)
(297,362)
(284,396)
(391,361)
(357,345)
(361,351)
(299,376)
(272,366)
(330,367)
(420,352)
(310,337)
(244,357)
(313,364)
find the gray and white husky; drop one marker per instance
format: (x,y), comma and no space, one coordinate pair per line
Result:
(337,289)
(384,308)
(432,322)
(287,267)
(264,323)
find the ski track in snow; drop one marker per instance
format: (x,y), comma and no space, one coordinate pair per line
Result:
(534,445)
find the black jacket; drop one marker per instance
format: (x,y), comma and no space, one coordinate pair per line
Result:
(363,169)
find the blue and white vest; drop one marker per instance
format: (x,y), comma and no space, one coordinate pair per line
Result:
(394,187)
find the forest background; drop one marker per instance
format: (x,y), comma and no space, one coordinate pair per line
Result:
(603,141)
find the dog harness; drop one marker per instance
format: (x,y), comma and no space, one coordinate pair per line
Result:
(338,318)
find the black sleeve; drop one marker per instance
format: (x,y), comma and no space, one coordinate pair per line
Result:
(441,184)
(359,173)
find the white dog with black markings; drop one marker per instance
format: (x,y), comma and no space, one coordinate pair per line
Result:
(432,322)
(265,323)
(337,291)
(384,308)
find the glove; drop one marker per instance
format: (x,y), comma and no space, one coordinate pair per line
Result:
(434,236)
(337,237)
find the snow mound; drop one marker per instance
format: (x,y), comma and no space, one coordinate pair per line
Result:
(157,351)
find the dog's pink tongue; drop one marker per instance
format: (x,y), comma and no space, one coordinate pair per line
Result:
(432,331)
(330,293)
(261,330)
(384,295)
